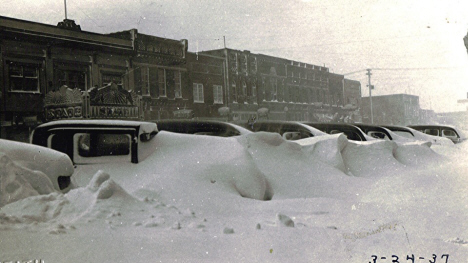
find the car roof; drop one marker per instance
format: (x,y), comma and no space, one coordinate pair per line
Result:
(339,125)
(280,123)
(330,124)
(425,126)
(397,128)
(145,127)
(197,126)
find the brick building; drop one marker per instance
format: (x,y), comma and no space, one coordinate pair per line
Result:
(38,59)
(276,88)
(396,109)
(56,72)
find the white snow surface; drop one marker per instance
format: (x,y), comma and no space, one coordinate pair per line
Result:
(251,198)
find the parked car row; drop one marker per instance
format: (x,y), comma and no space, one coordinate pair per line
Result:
(93,142)
(444,131)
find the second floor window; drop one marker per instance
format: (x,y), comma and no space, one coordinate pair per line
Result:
(177,85)
(218,94)
(162,82)
(198,93)
(145,82)
(234,91)
(108,78)
(24,77)
(244,88)
(254,90)
(274,90)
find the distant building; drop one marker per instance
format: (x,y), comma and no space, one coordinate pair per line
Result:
(276,88)
(396,109)
(208,85)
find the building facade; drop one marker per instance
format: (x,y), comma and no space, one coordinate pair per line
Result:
(62,72)
(56,72)
(268,87)
(396,109)
(207,98)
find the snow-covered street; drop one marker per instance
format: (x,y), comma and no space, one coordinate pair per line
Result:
(253,198)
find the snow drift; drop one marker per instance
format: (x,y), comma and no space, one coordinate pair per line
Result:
(253,198)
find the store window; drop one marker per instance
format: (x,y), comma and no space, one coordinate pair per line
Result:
(198,93)
(23,77)
(74,76)
(218,94)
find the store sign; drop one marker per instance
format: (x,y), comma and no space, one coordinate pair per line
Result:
(63,113)
(113,112)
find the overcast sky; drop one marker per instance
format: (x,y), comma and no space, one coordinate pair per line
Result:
(413,47)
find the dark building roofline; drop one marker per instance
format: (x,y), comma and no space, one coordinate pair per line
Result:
(13,25)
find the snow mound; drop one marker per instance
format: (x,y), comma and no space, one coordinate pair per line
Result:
(326,148)
(206,163)
(304,169)
(18,182)
(37,158)
(91,202)
(372,158)
(416,153)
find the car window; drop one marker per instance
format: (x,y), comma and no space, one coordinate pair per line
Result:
(60,142)
(378,135)
(448,133)
(353,136)
(434,132)
(98,147)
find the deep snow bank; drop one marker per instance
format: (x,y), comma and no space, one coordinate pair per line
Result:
(18,182)
(371,159)
(52,163)
(102,199)
(294,171)
(326,148)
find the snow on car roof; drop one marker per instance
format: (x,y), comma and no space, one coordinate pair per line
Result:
(146,127)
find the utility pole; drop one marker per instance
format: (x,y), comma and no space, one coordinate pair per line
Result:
(370,95)
(65,3)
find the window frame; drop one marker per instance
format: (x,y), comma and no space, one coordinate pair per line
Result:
(37,66)
(162,86)
(218,94)
(79,159)
(198,97)
(177,84)
(234,91)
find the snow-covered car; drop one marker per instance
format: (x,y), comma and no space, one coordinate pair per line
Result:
(400,130)
(98,141)
(55,165)
(375,131)
(350,131)
(410,133)
(444,131)
(201,127)
(289,130)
